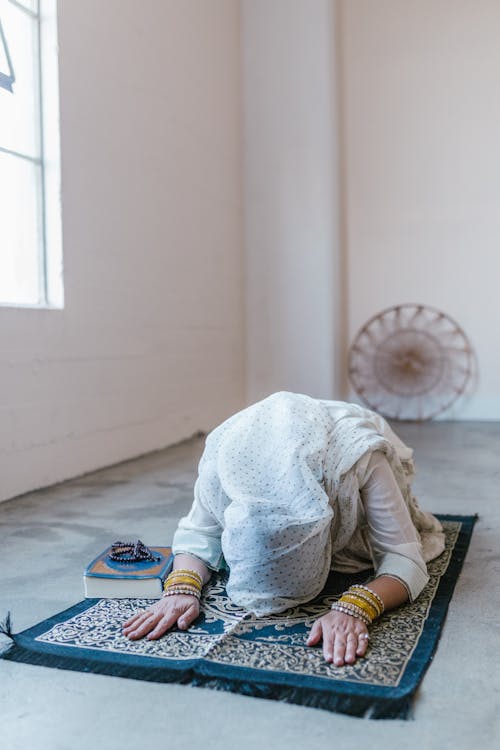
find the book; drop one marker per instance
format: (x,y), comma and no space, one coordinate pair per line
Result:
(109,579)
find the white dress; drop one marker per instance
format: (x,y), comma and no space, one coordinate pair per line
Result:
(292,487)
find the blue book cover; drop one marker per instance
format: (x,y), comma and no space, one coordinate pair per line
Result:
(105,578)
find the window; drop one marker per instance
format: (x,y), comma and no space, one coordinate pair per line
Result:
(30,232)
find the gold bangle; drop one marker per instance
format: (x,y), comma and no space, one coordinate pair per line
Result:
(370,600)
(363,601)
(368,607)
(369,592)
(185,571)
(183,578)
(191,577)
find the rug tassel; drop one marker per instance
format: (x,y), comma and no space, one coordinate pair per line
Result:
(6,627)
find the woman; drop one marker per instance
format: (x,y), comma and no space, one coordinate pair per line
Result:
(289,489)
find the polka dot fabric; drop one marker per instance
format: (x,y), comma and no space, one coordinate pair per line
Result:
(262,478)
(279,487)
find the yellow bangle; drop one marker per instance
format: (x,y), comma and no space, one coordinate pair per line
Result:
(186,571)
(365,605)
(189,576)
(371,594)
(184,579)
(366,601)
(367,598)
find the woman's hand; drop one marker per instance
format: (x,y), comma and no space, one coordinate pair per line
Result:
(180,609)
(344,637)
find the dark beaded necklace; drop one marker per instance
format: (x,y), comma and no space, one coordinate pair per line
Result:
(132,552)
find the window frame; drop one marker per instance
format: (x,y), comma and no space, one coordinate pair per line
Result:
(49,241)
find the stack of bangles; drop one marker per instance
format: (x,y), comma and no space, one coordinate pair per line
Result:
(183,581)
(360,601)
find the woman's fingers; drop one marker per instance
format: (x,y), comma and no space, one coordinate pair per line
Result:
(132,619)
(350,648)
(161,627)
(339,650)
(344,651)
(362,644)
(134,622)
(328,642)
(141,628)
(183,620)
(159,618)
(344,638)
(189,616)
(315,634)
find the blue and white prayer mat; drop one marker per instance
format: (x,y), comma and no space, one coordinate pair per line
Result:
(267,657)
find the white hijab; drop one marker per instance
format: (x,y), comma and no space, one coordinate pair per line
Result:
(275,476)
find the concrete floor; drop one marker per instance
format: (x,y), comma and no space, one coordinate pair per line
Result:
(47,537)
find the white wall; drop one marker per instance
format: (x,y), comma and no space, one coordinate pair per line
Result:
(421,124)
(148,348)
(150,345)
(293,266)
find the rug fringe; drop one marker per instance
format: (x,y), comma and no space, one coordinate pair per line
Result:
(357,706)
(6,630)
(6,626)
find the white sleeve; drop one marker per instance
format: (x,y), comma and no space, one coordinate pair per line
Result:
(199,534)
(395,543)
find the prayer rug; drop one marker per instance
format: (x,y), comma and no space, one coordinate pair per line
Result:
(230,649)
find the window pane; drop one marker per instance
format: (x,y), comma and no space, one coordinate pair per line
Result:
(19,111)
(19,230)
